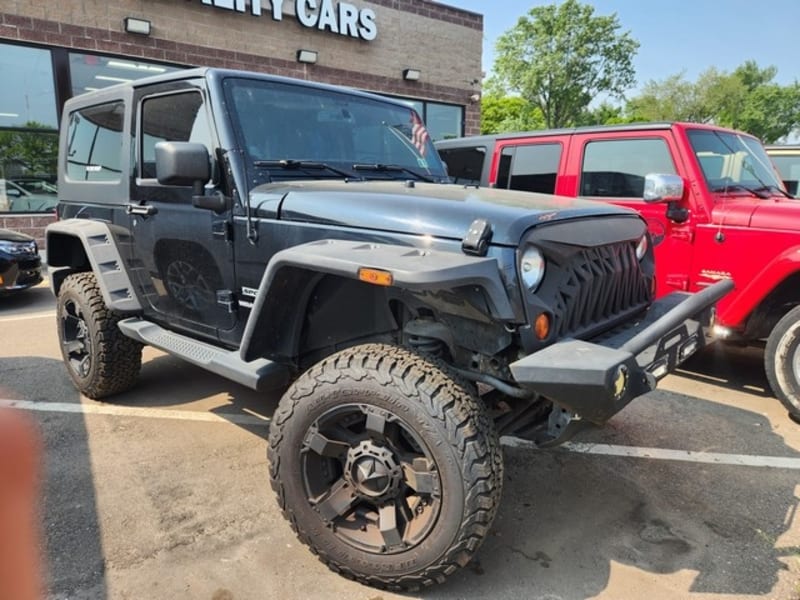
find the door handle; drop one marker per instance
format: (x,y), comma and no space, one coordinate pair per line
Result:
(144,210)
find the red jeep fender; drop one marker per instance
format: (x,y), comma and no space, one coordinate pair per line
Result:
(738,306)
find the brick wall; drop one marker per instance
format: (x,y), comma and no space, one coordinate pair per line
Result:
(32,225)
(444,43)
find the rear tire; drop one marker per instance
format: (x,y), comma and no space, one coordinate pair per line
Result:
(100,360)
(389,470)
(782,361)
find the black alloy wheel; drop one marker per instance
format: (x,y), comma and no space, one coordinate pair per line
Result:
(386,466)
(370,478)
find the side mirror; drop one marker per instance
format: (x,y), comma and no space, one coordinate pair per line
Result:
(182,163)
(663,187)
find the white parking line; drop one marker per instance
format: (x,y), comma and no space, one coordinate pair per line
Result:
(742,460)
(134,411)
(26,317)
(712,458)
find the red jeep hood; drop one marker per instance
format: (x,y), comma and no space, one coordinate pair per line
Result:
(776,213)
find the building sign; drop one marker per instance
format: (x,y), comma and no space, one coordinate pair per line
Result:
(326,15)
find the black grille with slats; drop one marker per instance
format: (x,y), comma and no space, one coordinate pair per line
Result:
(592,289)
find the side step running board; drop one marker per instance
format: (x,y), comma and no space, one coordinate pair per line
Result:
(260,374)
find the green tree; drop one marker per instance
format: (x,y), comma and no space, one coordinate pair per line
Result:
(765,109)
(560,57)
(604,114)
(501,113)
(747,99)
(673,99)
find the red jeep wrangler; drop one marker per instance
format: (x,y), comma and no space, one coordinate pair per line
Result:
(715,206)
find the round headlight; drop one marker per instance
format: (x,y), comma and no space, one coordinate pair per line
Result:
(532,268)
(641,247)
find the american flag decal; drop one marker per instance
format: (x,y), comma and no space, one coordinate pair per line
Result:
(419,135)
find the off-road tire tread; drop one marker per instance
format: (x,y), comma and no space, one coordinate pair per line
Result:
(469,429)
(118,359)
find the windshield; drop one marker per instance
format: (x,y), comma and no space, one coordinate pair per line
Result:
(282,124)
(733,162)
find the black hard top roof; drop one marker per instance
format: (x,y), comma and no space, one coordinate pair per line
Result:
(117,91)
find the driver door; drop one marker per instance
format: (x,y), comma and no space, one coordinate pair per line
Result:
(186,254)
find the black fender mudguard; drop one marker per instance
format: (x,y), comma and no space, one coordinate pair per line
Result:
(291,275)
(83,245)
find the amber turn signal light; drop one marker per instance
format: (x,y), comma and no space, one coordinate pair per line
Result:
(542,326)
(375,276)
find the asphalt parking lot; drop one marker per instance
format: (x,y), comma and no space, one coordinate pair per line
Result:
(690,492)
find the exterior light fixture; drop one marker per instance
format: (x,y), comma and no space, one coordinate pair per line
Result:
(139,26)
(411,74)
(307,56)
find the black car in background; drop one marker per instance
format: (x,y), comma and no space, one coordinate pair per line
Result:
(20,264)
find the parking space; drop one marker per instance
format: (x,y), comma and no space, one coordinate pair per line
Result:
(690,492)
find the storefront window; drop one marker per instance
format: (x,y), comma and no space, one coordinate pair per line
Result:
(27,93)
(444,121)
(91,72)
(28,136)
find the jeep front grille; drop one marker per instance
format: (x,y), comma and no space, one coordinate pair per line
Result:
(602,284)
(590,290)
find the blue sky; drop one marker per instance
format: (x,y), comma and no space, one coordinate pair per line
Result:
(679,35)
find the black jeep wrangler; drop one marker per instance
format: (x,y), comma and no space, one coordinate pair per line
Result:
(281,232)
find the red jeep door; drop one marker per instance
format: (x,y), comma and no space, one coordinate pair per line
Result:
(612,166)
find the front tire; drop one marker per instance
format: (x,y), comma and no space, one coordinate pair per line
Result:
(782,361)
(100,360)
(385,467)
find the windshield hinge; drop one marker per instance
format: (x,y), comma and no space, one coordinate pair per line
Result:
(476,242)
(227,299)
(221,230)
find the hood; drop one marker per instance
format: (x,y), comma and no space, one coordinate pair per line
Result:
(777,213)
(417,208)
(14,236)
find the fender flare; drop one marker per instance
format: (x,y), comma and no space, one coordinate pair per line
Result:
(743,303)
(296,270)
(97,241)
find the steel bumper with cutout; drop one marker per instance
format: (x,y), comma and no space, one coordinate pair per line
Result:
(596,379)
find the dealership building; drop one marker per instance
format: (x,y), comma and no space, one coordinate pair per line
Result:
(421,52)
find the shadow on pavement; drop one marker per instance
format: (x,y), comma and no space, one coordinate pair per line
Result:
(738,368)
(166,381)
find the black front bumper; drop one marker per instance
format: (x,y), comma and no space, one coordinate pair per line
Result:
(596,379)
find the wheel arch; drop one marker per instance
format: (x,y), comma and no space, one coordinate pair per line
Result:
(76,245)
(780,300)
(307,311)
(324,275)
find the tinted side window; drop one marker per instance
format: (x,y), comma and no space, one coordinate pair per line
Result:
(616,168)
(94,151)
(534,168)
(171,118)
(464,165)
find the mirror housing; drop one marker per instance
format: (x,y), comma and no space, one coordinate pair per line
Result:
(660,187)
(182,163)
